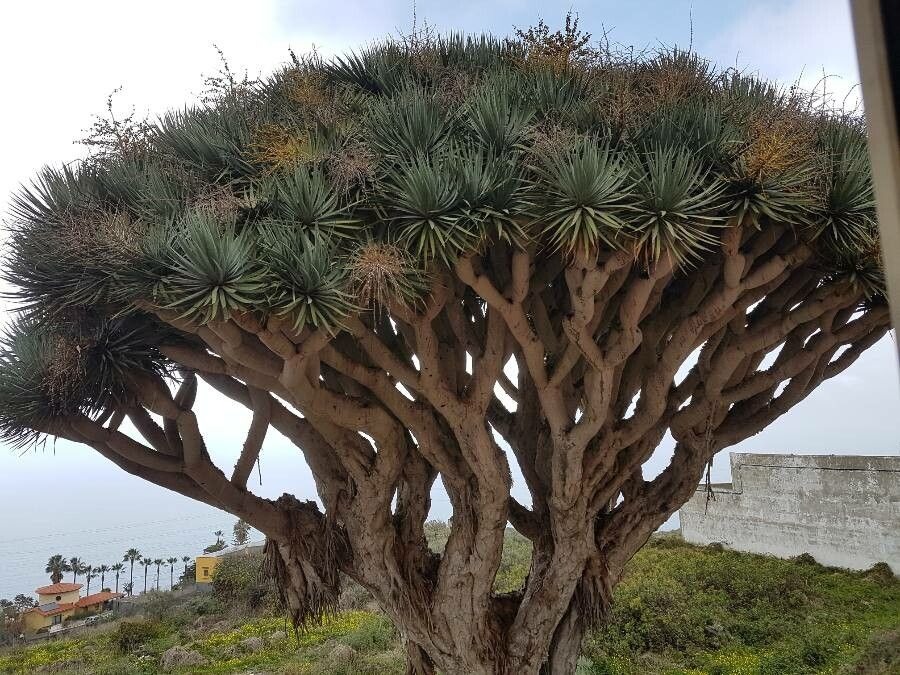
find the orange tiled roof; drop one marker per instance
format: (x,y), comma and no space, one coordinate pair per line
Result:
(56,589)
(57,608)
(96,598)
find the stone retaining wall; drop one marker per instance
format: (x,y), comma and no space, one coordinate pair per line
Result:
(844,510)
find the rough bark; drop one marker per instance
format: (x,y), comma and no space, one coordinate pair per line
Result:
(383,409)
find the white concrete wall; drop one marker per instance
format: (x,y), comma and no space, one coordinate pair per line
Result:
(844,510)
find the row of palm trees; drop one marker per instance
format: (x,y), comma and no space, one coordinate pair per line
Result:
(57,566)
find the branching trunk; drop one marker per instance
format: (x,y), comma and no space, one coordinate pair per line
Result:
(391,404)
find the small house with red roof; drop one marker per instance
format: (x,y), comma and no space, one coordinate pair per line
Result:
(58,603)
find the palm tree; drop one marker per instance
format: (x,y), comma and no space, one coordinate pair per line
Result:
(128,588)
(77,567)
(117,568)
(159,563)
(103,570)
(218,545)
(56,567)
(89,573)
(132,555)
(185,559)
(171,562)
(146,562)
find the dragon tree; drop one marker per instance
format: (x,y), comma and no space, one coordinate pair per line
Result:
(433,259)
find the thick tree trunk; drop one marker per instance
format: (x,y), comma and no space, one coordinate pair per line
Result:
(534,632)
(417,661)
(558,656)
(566,646)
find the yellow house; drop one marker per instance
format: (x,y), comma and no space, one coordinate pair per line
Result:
(205,566)
(57,603)
(206,563)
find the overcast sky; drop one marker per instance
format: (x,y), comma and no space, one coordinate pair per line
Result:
(61,59)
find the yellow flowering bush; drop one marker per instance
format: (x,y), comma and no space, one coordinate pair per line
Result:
(76,651)
(331,627)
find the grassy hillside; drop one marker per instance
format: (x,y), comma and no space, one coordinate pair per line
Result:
(687,609)
(681,609)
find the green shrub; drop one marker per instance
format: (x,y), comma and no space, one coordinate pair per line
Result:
(387,663)
(132,634)
(805,559)
(189,575)
(202,605)
(515,563)
(683,608)
(238,582)
(665,540)
(374,633)
(437,533)
(879,656)
(353,595)
(680,609)
(158,605)
(881,572)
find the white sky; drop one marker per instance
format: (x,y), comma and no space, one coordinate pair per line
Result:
(61,59)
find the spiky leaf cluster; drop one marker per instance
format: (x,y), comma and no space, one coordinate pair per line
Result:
(81,367)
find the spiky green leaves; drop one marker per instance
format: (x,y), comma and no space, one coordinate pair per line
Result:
(464,143)
(303,283)
(63,245)
(657,201)
(676,206)
(699,125)
(79,365)
(304,198)
(376,71)
(409,125)
(555,94)
(211,141)
(787,197)
(456,202)
(586,194)
(25,406)
(844,227)
(497,122)
(494,198)
(847,216)
(424,211)
(53,195)
(863,269)
(213,271)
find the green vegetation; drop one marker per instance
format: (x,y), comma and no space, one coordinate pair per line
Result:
(237,582)
(136,647)
(56,567)
(680,609)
